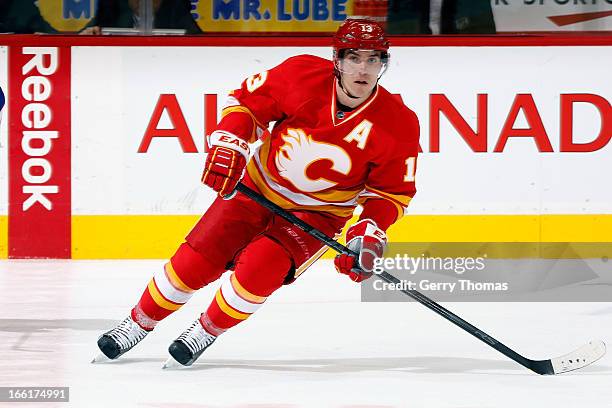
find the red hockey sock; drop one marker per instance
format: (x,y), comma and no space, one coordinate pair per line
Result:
(172,286)
(260,270)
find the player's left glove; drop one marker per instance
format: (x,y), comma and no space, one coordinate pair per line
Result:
(225,162)
(367,240)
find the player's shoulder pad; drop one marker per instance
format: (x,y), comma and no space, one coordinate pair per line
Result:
(400,117)
(397,110)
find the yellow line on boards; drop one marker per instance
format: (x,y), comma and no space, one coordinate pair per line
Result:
(3,236)
(128,236)
(157,236)
(503,228)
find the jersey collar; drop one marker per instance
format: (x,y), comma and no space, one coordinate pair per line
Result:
(355,112)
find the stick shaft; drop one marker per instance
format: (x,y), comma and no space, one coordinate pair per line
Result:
(419,297)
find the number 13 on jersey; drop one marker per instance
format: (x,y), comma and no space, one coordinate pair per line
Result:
(410,169)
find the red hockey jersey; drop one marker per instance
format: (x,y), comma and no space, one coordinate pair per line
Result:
(317,157)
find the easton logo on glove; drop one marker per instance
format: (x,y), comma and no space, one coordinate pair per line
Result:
(367,240)
(225,162)
(230,141)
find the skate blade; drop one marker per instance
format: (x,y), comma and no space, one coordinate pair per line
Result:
(100,358)
(172,364)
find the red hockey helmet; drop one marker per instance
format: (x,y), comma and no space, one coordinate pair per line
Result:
(361,34)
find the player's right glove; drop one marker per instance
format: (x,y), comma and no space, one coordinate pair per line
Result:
(367,240)
(225,163)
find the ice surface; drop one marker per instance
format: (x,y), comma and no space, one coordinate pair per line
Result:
(314,344)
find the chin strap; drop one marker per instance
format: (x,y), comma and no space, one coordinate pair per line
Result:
(339,78)
(346,92)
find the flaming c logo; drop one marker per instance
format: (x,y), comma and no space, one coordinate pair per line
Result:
(300,151)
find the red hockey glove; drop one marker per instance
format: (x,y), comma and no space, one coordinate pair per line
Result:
(225,162)
(369,241)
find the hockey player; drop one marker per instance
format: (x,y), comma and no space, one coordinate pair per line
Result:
(339,140)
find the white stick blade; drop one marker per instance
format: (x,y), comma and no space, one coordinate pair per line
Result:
(579,358)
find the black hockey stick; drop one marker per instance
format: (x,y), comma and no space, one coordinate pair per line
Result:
(579,358)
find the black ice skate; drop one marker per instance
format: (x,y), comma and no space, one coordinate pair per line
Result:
(186,349)
(121,339)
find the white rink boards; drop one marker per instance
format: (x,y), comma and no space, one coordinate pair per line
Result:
(516,136)
(113,177)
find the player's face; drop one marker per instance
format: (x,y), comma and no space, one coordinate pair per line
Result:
(360,70)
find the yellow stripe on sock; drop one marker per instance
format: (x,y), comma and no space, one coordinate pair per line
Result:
(245,294)
(227,309)
(159,299)
(175,280)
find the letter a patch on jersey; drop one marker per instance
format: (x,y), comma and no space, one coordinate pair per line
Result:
(360,134)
